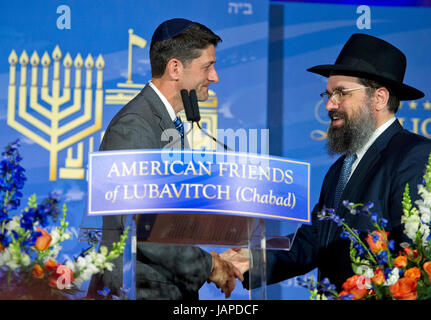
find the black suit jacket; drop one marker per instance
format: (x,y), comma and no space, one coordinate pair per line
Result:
(397,157)
(162,271)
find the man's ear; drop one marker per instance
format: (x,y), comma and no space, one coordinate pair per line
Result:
(174,69)
(382,97)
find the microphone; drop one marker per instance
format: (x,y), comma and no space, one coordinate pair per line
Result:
(187,105)
(197,118)
(189,114)
(195,106)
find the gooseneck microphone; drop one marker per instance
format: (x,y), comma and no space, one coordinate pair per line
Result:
(191,106)
(195,106)
(187,104)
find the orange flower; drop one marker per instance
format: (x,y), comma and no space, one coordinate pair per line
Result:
(355,286)
(381,243)
(1,247)
(50,265)
(404,289)
(37,271)
(414,273)
(400,262)
(427,268)
(379,276)
(412,254)
(61,277)
(42,242)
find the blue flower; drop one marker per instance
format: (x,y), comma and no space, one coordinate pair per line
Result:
(375,237)
(369,205)
(360,250)
(31,240)
(92,236)
(326,285)
(387,272)
(382,258)
(11,176)
(345,235)
(391,245)
(105,292)
(3,215)
(5,240)
(307,283)
(346,297)
(26,222)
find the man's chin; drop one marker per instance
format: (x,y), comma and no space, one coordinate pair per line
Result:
(336,127)
(202,96)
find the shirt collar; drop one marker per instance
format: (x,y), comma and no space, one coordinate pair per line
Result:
(165,101)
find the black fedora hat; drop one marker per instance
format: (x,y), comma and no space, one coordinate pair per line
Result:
(372,58)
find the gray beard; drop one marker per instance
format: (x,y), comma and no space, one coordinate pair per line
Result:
(353,135)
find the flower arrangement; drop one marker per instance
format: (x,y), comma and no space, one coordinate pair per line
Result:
(379,271)
(29,246)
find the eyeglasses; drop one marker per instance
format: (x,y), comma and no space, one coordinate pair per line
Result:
(338,94)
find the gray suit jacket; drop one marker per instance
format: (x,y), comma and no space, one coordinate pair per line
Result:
(162,271)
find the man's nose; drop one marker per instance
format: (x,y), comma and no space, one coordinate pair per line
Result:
(331,105)
(213,76)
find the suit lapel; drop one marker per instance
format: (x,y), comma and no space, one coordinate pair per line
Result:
(372,155)
(159,111)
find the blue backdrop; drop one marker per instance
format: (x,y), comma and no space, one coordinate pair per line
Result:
(261,63)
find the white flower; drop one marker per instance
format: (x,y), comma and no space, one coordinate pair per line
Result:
(393,277)
(71,266)
(12,264)
(425,211)
(425,231)
(66,235)
(100,259)
(426,195)
(109,266)
(411,226)
(54,253)
(25,259)
(81,263)
(13,225)
(365,271)
(4,257)
(55,237)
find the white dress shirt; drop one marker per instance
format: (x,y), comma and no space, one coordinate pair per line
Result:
(165,101)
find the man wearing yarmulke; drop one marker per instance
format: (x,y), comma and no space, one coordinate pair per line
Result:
(182,56)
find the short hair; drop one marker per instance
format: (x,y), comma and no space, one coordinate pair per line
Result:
(185,47)
(393,101)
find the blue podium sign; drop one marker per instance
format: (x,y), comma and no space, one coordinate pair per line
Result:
(196,181)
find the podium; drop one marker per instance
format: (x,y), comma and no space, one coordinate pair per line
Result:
(197,198)
(202,230)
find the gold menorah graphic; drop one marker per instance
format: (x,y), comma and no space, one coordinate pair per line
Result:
(58,111)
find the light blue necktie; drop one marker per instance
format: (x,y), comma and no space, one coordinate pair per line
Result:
(344,177)
(180,127)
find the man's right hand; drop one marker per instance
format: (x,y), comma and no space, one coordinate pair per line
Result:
(240,258)
(224,274)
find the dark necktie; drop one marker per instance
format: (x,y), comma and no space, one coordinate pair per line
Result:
(344,177)
(180,127)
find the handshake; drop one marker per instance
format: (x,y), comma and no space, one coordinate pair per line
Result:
(227,267)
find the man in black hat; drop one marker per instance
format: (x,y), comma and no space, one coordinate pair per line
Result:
(378,158)
(182,56)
